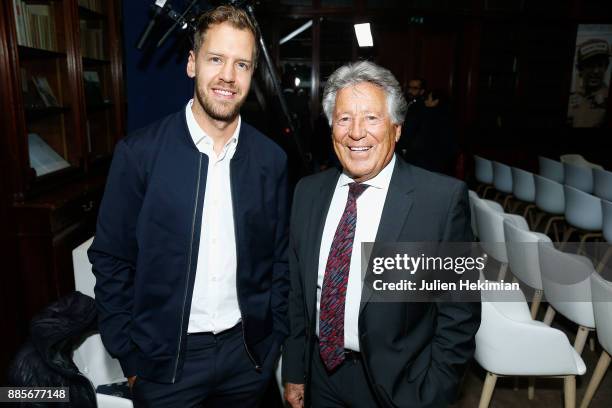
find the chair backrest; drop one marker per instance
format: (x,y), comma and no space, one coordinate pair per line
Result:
(84,279)
(566,283)
(509,342)
(551,169)
(523,258)
(91,356)
(483,170)
(491,231)
(523,185)
(606,214)
(602,184)
(550,196)
(582,210)
(473,197)
(580,177)
(502,177)
(602,309)
(578,160)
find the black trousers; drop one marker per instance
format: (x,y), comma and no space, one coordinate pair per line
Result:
(217,373)
(346,386)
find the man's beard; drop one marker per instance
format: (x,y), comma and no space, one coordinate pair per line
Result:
(223,112)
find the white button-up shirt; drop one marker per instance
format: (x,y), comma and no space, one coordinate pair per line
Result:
(369,210)
(214,305)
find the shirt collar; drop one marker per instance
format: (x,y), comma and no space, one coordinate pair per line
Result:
(381,180)
(199,136)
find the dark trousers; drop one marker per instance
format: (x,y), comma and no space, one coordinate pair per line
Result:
(217,373)
(346,386)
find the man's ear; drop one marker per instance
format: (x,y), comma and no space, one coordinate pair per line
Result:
(398,132)
(191,65)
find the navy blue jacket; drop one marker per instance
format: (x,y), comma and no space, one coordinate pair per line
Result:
(145,251)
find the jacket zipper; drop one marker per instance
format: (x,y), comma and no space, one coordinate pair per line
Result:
(193,221)
(257,366)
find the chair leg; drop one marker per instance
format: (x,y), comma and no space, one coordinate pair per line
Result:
(598,374)
(604,260)
(507,200)
(502,272)
(487,390)
(486,190)
(549,316)
(535,303)
(531,389)
(566,236)
(592,343)
(550,222)
(527,211)
(584,238)
(581,338)
(538,219)
(569,391)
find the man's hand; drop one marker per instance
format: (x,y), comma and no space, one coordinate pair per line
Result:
(131,381)
(294,394)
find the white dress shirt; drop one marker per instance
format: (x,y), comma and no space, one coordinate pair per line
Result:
(369,209)
(214,305)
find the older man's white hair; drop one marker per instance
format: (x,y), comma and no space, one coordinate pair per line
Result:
(365,71)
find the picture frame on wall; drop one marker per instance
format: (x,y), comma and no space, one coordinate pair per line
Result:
(590,87)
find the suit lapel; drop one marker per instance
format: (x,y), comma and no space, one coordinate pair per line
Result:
(398,204)
(318,215)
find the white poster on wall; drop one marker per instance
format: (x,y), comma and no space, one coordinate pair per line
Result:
(591,76)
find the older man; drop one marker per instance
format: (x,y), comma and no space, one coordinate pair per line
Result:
(343,350)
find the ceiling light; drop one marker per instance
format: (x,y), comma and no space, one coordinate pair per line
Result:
(364,35)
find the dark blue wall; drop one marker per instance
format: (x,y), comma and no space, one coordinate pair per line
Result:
(156,82)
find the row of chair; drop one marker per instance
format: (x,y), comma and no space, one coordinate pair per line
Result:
(547,193)
(510,341)
(583,175)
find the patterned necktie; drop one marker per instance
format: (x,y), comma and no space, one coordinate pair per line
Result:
(333,292)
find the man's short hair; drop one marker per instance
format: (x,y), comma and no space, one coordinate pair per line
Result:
(236,17)
(365,71)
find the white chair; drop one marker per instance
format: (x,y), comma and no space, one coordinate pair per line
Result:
(510,343)
(91,356)
(580,177)
(523,259)
(602,308)
(565,279)
(602,186)
(550,199)
(473,196)
(523,189)
(583,214)
(578,160)
(551,169)
(490,224)
(483,172)
(495,206)
(606,212)
(502,181)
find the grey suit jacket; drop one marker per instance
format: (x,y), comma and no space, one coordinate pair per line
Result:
(414,353)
